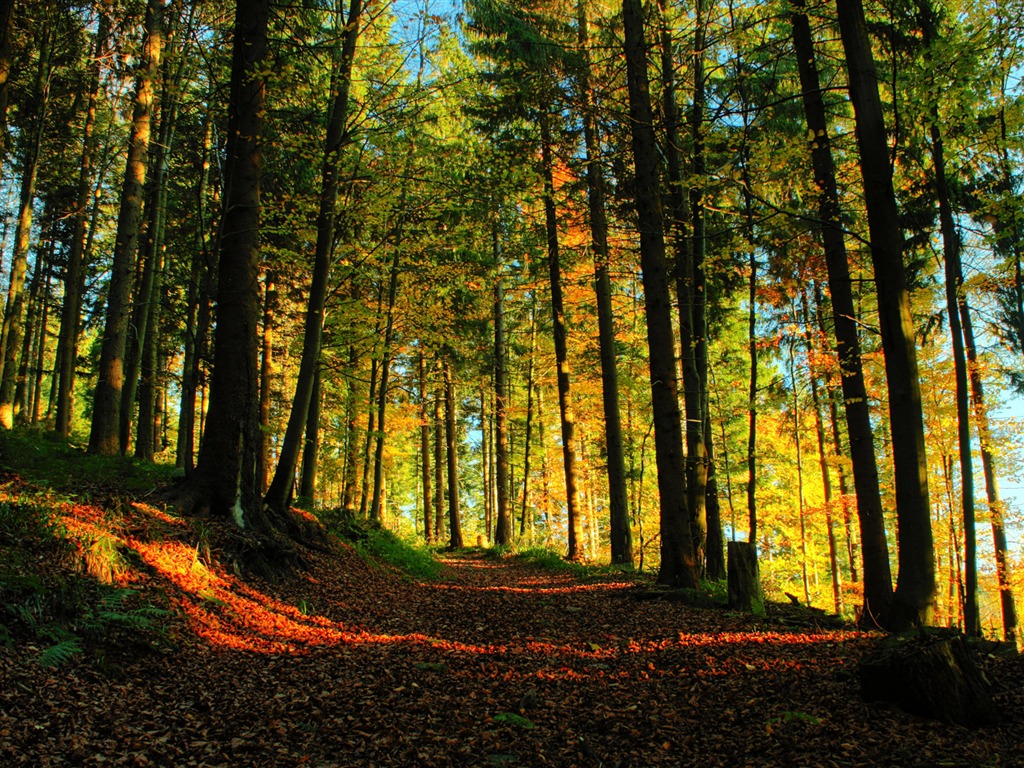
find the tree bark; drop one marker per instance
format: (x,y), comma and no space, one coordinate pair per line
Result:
(341,77)
(565,409)
(503,518)
(71,308)
(12,329)
(878,593)
(225,476)
(311,445)
(197,321)
(104,437)
(428,527)
(621,534)
(679,562)
(451,441)
(996,506)
(915,588)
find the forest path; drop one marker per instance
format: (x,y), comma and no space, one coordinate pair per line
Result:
(494,664)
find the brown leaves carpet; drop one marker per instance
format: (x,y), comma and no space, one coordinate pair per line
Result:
(494,665)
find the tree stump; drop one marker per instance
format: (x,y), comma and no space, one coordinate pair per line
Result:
(744,577)
(931,677)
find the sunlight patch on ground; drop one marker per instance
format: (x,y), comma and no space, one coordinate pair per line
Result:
(538,590)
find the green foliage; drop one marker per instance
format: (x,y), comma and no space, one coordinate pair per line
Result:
(790,717)
(511,718)
(418,562)
(60,653)
(46,460)
(382,546)
(549,560)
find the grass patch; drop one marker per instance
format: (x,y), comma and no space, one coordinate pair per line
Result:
(44,459)
(379,545)
(418,562)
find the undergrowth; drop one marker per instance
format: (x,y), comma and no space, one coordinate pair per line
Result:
(380,545)
(59,585)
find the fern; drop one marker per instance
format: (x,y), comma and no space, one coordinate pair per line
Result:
(61,653)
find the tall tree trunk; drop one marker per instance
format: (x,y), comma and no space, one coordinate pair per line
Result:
(263,458)
(311,445)
(104,437)
(954,298)
(621,534)
(6,24)
(348,493)
(679,561)
(503,518)
(826,476)
(440,430)
(528,437)
(365,489)
(337,117)
(697,459)
(428,527)
(225,478)
(915,587)
(451,440)
(146,310)
(147,329)
(197,316)
(996,506)
(382,392)
(565,409)
(878,593)
(11,333)
(832,395)
(71,309)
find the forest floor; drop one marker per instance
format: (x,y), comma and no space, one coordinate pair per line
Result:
(493,663)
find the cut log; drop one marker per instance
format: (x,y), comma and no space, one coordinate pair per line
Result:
(744,577)
(933,678)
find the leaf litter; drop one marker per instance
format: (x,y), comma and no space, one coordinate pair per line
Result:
(496,663)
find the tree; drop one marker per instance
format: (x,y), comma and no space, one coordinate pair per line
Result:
(875,549)
(225,479)
(915,587)
(106,417)
(341,78)
(679,563)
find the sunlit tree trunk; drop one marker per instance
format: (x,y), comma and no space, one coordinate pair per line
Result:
(915,588)
(71,308)
(503,517)
(150,298)
(104,437)
(428,527)
(451,440)
(679,562)
(439,463)
(263,459)
(565,409)
(528,438)
(13,323)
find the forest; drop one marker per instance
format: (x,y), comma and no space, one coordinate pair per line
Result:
(642,283)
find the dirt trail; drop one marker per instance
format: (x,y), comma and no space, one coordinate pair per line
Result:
(495,664)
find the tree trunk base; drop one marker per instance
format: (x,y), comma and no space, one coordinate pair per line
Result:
(744,578)
(931,677)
